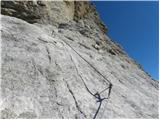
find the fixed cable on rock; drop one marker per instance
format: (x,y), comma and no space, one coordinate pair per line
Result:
(96,95)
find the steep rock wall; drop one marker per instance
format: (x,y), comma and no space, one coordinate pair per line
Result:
(53,70)
(52,12)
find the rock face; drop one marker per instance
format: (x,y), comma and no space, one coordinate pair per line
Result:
(53,66)
(53,12)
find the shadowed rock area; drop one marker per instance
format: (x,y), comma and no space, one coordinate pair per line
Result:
(57,62)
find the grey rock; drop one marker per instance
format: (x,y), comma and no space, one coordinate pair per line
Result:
(54,72)
(54,12)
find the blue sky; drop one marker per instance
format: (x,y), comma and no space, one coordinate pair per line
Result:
(134,25)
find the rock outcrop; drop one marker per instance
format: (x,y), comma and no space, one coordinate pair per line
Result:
(49,12)
(57,63)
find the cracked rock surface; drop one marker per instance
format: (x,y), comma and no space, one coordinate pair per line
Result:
(52,71)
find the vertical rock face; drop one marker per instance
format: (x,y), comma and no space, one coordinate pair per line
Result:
(39,11)
(58,63)
(49,12)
